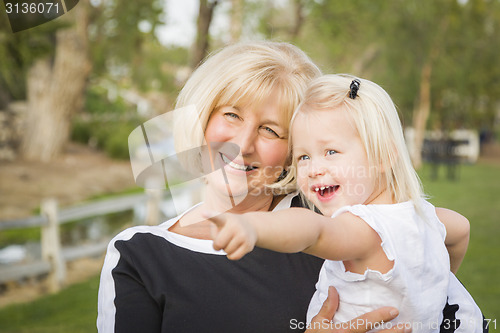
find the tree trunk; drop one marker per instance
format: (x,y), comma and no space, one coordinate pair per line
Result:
(299,19)
(236,19)
(423,108)
(55,91)
(362,62)
(421,114)
(203,25)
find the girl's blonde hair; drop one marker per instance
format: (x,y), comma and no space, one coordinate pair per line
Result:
(376,120)
(243,74)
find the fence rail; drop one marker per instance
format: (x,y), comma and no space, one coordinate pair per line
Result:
(54,256)
(91,209)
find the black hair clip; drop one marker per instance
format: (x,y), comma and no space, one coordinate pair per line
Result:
(354,88)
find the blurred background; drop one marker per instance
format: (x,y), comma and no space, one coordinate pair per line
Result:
(73,89)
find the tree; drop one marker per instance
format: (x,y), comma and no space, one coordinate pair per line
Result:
(236,19)
(201,45)
(18,51)
(434,58)
(468,94)
(342,38)
(55,90)
(299,17)
(119,32)
(441,55)
(432,35)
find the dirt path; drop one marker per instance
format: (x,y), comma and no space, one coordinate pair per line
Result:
(76,176)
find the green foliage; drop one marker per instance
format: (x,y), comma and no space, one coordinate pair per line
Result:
(112,137)
(116,36)
(158,67)
(19,50)
(338,35)
(106,124)
(19,236)
(117,32)
(389,41)
(97,102)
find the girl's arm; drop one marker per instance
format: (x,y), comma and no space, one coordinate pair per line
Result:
(457,235)
(346,237)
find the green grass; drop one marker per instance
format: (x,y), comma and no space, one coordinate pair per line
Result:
(476,194)
(72,310)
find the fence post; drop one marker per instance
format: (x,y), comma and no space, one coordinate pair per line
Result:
(153,206)
(51,246)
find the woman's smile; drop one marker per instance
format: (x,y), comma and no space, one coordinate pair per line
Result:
(237,166)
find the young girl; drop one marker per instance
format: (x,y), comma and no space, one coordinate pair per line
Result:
(384,243)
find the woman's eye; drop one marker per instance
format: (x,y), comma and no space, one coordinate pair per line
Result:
(269,131)
(331,152)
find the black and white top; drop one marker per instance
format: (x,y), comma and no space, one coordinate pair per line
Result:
(154,280)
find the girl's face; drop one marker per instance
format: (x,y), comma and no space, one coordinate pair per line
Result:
(332,165)
(262,140)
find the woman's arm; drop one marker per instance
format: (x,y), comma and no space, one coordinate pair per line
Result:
(124,305)
(346,237)
(457,235)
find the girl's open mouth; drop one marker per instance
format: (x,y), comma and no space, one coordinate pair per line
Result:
(325,192)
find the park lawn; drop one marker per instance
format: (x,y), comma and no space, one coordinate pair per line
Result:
(73,310)
(476,194)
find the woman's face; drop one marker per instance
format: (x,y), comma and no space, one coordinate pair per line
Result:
(261,137)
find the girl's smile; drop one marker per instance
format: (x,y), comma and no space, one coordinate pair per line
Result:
(324,192)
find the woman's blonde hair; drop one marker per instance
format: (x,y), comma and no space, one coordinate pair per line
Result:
(376,120)
(240,75)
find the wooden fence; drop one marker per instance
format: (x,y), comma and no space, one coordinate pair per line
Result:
(54,256)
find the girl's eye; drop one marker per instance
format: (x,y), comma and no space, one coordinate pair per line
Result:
(331,152)
(269,132)
(303,158)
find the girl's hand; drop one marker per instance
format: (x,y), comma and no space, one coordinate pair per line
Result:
(321,323)
(233,233)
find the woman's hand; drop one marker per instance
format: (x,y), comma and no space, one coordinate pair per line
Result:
(321,323)
(233,234)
